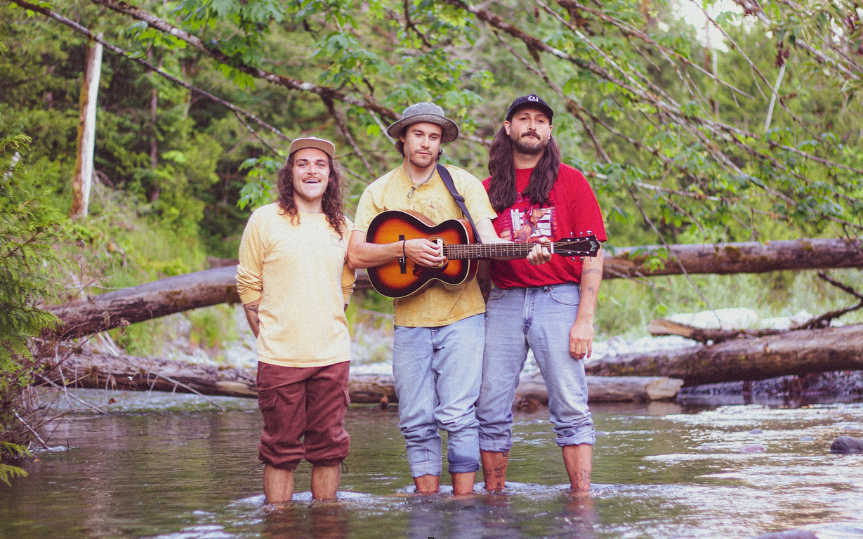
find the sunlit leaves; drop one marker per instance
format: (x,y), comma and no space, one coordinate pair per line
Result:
(260,188)
(350,63)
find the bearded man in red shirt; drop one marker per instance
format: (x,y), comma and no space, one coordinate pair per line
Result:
(549,308)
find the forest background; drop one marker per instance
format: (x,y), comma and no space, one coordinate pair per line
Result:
(748,128)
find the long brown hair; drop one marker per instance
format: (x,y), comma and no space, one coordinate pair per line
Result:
(501,167)
(331,203)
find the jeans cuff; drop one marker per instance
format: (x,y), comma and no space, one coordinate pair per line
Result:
(588,437)
(429,467)
(495,446)
(463,467)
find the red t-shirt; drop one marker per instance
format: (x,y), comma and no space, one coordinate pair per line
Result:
(571,208)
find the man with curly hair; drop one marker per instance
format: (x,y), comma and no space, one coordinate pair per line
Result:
(295,283)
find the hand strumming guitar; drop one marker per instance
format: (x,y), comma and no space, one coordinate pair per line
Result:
(424,252)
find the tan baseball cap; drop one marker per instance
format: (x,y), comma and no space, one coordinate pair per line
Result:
(313,142)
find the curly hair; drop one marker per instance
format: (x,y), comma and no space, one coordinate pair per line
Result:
(501,167)
(331,203)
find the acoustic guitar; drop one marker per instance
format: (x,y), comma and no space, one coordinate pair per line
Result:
(402,277)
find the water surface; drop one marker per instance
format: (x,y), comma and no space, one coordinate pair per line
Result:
(174,467)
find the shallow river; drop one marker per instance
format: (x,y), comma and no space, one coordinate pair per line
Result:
(172,467)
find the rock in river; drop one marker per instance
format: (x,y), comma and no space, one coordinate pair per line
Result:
(847,444)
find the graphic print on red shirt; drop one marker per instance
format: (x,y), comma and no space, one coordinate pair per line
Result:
(522,224)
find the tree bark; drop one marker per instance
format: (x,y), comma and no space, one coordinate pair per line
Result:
(219,285)
(103,371)
(83,178)
(792,353)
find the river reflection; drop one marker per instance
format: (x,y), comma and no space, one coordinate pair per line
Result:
(661,471)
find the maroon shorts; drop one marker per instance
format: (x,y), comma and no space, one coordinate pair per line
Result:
(304,414)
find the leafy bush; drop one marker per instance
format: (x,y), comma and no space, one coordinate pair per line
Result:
(29,230)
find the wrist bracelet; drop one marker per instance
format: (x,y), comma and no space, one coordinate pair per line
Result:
(404,254)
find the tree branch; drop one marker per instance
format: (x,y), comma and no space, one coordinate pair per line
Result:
(218,55)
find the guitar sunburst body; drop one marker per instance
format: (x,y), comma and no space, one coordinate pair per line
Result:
(402,277)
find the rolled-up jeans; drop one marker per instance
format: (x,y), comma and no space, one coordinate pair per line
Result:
(437,377)
(540,319)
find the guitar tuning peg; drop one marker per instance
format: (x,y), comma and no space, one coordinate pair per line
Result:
(581,258)
(589,232)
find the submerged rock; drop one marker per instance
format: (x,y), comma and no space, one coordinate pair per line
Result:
(754,448)
(847,444)
(789,534)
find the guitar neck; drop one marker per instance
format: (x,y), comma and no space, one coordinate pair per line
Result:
(487,250)
(583,246)
(492,250)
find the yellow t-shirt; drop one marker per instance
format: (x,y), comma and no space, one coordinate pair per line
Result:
(300,271)
(438,304)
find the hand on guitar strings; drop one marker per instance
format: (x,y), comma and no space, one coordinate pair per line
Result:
(541,252)
(424,252)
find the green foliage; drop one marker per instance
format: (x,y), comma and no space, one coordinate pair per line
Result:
(10,450)
(212,326)
(29,231)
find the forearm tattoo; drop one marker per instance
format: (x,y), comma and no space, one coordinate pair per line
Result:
(254,309)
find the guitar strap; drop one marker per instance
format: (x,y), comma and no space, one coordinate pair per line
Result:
(447,180)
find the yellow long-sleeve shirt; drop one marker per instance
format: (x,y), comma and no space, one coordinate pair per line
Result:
(300,272)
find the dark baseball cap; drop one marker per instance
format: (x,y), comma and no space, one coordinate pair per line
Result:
(529,101)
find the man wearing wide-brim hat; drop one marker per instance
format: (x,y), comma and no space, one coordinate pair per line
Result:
(439,331)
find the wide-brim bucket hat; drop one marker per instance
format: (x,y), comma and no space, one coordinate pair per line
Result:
(425,112)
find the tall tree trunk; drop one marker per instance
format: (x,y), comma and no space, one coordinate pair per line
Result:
(154,139)
(86,133)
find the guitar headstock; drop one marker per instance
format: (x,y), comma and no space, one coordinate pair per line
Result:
(581,246)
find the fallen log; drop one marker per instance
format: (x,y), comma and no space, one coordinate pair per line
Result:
(607,388)
(214,286)
(120,308)
(103,371)
(792,353)
(742,257)
(664,327)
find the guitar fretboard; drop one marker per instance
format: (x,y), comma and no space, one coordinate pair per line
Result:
(487,250)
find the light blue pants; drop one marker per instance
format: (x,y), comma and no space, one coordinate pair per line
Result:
(437,377)
(540,319)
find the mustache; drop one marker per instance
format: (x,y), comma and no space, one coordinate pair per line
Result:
(530,134)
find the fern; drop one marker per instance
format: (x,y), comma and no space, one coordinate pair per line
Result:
(7,471)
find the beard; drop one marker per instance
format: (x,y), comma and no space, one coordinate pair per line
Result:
(529,145)
(421,161)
